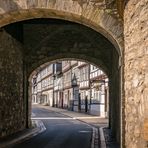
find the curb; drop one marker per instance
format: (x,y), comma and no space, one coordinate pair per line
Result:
(95,142)
(102,138)
(39,128)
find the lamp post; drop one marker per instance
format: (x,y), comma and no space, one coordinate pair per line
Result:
(74,84)
(53,101)
(90,101)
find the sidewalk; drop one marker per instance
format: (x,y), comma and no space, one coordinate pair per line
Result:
(37,128)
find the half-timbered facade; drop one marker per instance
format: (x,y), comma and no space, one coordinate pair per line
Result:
(73,85)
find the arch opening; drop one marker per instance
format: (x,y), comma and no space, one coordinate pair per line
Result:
(39,43)
(71,84)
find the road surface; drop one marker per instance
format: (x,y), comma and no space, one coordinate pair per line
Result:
(61,132)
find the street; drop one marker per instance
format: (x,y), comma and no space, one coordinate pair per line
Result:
(61,131)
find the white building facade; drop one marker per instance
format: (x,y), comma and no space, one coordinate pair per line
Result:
(73,85)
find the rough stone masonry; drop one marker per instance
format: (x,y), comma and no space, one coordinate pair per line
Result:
(136,71)
(12,111)
(130,92)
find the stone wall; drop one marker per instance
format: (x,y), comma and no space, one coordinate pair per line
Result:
(115,98)
(136,71)
(12,111)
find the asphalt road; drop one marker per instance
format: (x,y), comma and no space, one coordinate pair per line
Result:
(61,132)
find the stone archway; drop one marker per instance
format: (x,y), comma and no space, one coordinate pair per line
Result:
(71,42)
(83,13)
(96,15)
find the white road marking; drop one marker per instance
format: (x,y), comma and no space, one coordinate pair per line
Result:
(86,117)
(51,118)
(84,131)
(75,118)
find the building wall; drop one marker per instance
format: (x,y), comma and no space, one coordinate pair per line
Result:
(42,86)
(98,102)
(136,72)
(50,97)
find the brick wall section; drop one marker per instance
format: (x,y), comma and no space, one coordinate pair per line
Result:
(12,117)
(136,71)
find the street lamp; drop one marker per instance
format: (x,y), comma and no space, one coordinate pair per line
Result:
(74,81)
(74,84)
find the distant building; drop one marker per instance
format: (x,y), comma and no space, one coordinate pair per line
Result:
(70,80)
(43,86)
(58,85)
(84,86)
(34,89)
(98,92)
(72,85)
